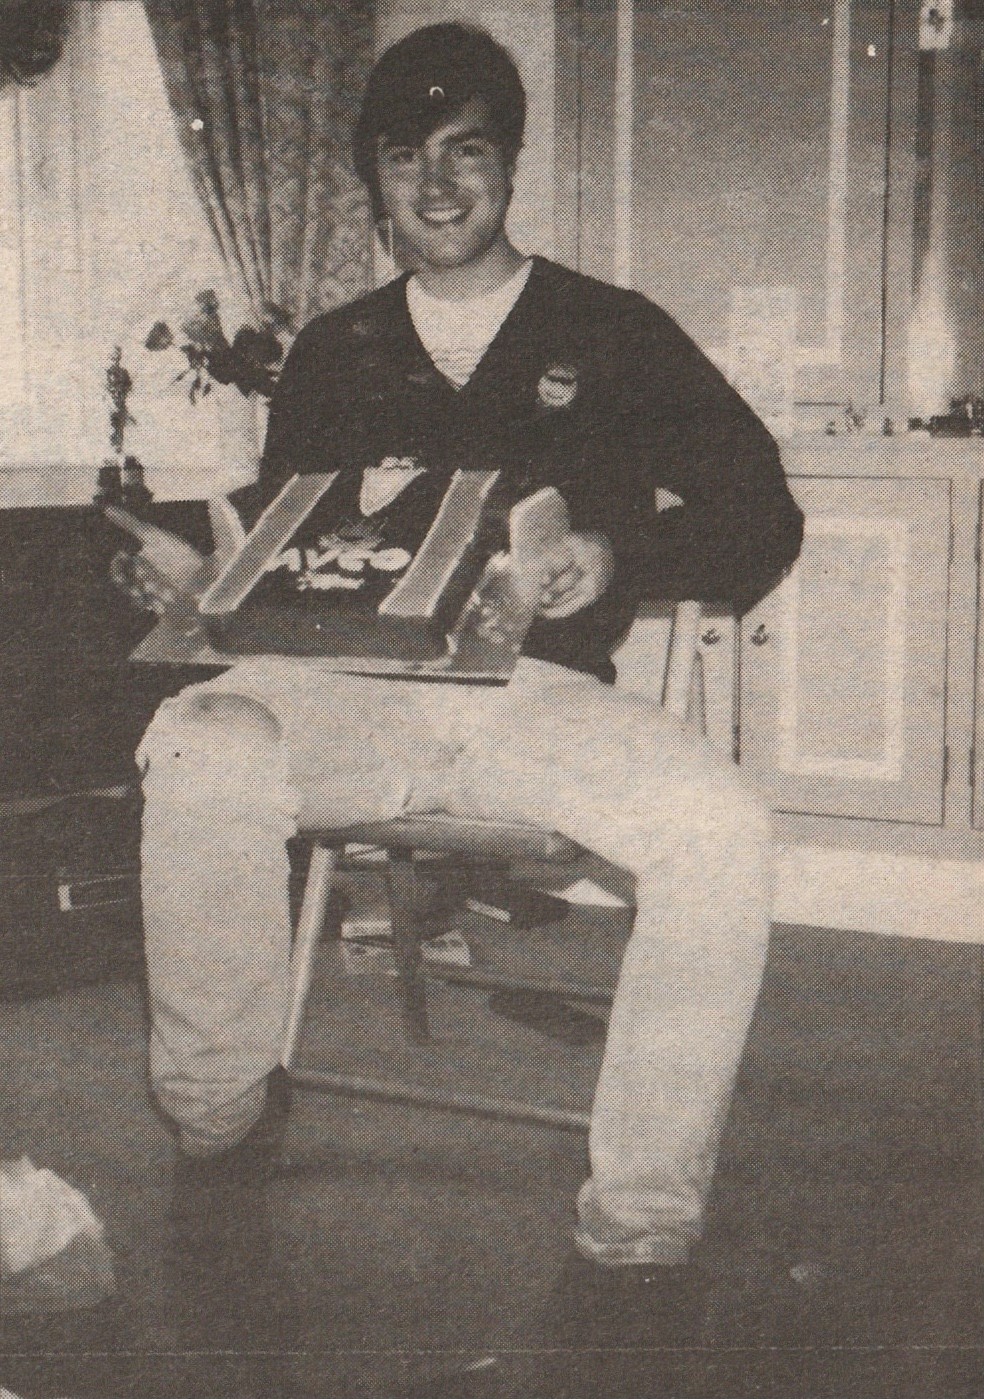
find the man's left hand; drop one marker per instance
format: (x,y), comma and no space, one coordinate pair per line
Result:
(577,574)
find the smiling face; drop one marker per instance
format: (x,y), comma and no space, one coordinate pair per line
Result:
(447,198)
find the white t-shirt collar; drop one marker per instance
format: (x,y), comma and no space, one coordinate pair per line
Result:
(456,334)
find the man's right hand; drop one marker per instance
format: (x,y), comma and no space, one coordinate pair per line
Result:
(578,571)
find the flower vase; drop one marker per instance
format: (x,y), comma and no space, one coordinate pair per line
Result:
(195,447)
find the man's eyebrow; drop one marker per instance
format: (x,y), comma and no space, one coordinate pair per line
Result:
(475,133)
(454,138)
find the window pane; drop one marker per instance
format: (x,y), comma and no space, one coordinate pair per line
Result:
(101,234)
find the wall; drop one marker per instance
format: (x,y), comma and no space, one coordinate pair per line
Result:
(758,151)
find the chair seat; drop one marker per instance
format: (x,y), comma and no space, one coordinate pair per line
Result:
(455,835)
(440,833)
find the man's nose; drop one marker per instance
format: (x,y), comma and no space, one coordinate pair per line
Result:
(437,173)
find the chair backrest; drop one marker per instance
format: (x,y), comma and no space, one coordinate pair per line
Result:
(681,658)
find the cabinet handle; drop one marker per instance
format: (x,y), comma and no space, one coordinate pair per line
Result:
(759,636)
(711,637)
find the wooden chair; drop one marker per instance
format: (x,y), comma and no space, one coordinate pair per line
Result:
(439,834)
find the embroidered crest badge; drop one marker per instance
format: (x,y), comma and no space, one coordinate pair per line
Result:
(558,386)
(383,483)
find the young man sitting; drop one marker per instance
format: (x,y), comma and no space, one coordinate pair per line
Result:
(482,358)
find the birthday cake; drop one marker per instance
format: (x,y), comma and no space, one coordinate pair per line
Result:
(398,564)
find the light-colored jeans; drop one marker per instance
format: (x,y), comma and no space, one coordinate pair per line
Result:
(233,768)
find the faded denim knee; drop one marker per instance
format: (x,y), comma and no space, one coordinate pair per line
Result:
(206,748)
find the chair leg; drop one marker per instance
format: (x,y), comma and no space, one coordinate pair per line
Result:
(404,896)
(309,926)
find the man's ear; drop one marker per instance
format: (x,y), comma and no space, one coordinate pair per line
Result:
(511,164)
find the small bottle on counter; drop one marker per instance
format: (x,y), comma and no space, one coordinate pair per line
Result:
(109,485)
(136,497)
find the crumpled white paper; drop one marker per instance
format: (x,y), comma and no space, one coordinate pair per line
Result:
(40,1214)
(53,1252)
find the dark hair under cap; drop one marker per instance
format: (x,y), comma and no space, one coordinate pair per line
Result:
(424,80)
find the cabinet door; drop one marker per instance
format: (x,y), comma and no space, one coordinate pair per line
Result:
(977,757)
(641,664)
(843,666)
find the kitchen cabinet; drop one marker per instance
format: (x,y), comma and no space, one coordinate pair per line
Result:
(843,667)
(641,666)
(977,748)
(800,187)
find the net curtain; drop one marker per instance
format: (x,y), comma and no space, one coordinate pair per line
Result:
(265,95)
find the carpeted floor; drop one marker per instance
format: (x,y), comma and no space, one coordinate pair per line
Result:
(395,1247)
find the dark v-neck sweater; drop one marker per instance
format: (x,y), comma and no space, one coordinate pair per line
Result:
(586,387)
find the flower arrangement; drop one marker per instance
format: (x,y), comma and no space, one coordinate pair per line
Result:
(190,403)
(251,361)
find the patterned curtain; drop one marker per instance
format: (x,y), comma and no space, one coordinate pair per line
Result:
(265,94)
